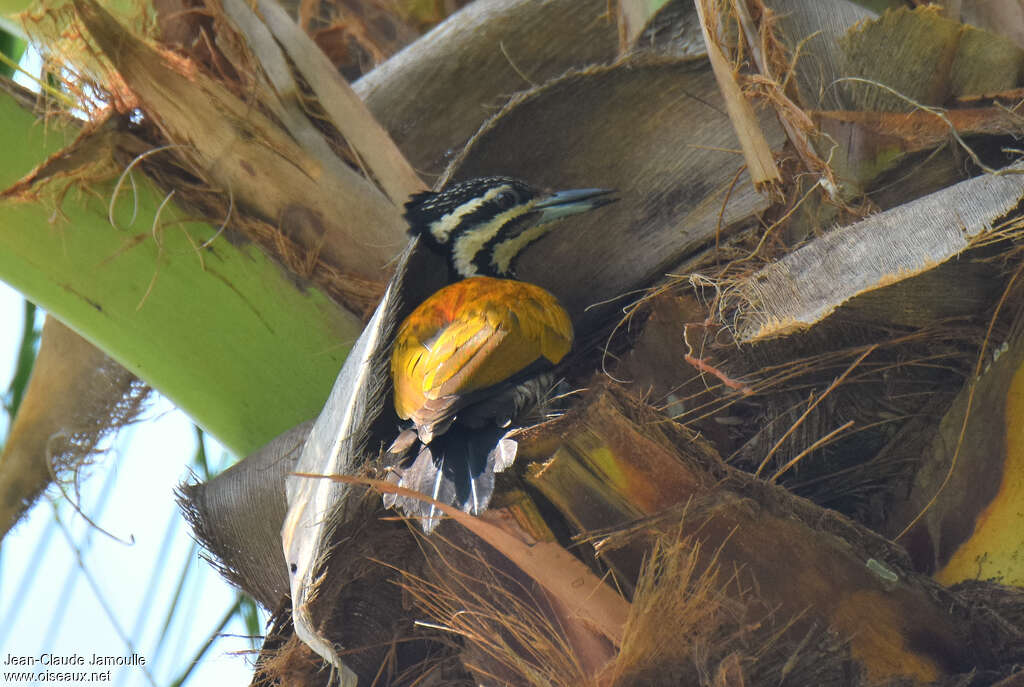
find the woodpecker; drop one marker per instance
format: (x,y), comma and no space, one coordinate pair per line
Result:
(469,357)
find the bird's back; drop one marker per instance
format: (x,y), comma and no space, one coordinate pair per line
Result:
(471,336)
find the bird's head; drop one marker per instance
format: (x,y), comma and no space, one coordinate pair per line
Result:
(484,224)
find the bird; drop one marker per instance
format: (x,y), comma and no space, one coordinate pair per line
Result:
(470,357)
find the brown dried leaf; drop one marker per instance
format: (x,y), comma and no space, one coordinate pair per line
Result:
(559,572)
(654,131)
(922,57)
(230,145)
(432,96)
(809,284)
(756,151)
(75,398)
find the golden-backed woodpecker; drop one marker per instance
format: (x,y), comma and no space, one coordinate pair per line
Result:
(468,358)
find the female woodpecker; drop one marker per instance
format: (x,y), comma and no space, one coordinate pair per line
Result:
(462,359)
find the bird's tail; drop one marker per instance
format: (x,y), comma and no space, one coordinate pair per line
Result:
(456,468)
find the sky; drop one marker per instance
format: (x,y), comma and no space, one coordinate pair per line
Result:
(69,590)
(116,602)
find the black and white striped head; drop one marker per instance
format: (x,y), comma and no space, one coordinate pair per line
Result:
(483,224)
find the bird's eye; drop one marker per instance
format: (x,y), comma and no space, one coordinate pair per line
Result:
(507,199)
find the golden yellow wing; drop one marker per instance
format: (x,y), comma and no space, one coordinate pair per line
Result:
(472,335)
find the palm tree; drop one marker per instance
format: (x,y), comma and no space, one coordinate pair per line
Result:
(227,219)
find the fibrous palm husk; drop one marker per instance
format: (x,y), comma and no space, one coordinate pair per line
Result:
(77,397)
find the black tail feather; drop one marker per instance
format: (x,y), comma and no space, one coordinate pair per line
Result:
(456,468)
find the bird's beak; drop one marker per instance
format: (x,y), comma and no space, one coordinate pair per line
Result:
(564,203)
